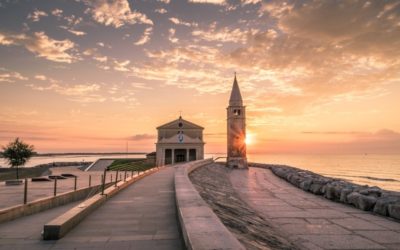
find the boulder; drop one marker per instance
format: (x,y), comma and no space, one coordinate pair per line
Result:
(332,192)
(360,201)
(352,198)
(316,188)
(382,204)
(371,191)
(344,193)
(394,210)
(366,203)
(306,184)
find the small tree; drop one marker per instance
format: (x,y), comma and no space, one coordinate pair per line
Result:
(17,153)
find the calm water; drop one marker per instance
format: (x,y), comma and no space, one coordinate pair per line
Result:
(373,170)
(69,158)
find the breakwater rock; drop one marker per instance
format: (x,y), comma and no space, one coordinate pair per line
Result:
(364,197)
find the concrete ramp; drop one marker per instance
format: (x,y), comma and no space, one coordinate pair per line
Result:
(100,165)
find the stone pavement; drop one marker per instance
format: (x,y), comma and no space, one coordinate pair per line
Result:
(310,221)
(143,216)
(13,195)
(25,232)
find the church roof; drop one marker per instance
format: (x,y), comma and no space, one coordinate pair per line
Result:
(184,125)
(236,97)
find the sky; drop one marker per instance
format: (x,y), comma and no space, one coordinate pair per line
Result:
(93,76)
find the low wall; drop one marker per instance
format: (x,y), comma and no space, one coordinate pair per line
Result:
(60,226)
(201,228)
(367,198)
(40,205)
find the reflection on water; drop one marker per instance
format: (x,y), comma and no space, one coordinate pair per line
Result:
(373,170)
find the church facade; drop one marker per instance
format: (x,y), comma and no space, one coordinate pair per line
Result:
(179,141)
(236,129)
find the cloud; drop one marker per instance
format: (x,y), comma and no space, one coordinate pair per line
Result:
(35,15)
(102,59)
(121,66)
(142,137)
(45,78)
(41,77)
(171,36)
(57,12)
(145,37)
(180,22)
(217,2)
(11,76)
(116,13)
(84,93)
(42,45)
(161,11)
(224,34)
(72,31)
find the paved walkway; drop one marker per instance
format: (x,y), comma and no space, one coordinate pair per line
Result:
(14,195)
(311,221)
(143,216)
(25,232)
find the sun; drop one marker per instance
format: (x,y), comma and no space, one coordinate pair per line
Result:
(249,139)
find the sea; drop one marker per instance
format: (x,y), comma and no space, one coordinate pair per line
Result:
(382,170)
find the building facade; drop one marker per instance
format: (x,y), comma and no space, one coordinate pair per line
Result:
(236,129)
(179,141)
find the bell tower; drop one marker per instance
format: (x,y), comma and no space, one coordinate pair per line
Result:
(236,121)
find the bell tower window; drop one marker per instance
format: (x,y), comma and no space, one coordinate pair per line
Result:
(236,112)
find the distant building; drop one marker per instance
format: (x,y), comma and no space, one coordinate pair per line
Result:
(179,141)
(151,158)
(236,129)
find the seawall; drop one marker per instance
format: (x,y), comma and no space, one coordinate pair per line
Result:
(364,197)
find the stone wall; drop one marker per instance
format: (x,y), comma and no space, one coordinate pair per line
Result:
(364,197)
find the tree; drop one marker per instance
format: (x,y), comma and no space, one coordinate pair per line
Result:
(17,153)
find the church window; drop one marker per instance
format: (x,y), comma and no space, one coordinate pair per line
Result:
(180,124)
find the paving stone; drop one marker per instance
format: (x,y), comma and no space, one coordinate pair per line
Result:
(148,223)
(329,226)
(341,242)
(357,224)
(314,229)
(386,237)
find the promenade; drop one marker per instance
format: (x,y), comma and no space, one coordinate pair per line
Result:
(143,216)
(310,221)
(13,195)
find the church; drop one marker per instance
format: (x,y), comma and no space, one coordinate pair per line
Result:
(182,141)
(179,141)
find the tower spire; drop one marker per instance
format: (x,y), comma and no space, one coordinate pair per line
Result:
(236,97)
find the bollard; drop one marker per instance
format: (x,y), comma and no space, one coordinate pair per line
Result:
(26,191)
(55,186)
(103,176)
(125,176)
(76,177)
(90,180)
(116,179)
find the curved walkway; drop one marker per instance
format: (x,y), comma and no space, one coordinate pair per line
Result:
(310,221)
(143,216)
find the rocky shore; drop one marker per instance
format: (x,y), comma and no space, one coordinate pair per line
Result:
(367,198)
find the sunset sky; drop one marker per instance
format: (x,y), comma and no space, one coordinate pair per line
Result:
(316,76)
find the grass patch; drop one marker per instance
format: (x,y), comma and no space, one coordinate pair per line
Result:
(130,165)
